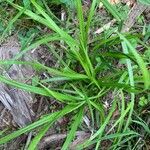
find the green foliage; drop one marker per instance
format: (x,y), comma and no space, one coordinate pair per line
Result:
(26,37)
(27,4)
(1,27)
(145,2)
(143,101)
(112,10)
(81,90)
(69,3)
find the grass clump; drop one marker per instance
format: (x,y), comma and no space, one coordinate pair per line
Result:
(83,90)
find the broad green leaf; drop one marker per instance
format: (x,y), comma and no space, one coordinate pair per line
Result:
(143,101)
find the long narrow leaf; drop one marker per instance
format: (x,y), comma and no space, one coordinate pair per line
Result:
(54,26)
(101,129)
(11,22)
(92,11)
(81,19)
(47,119)
(38,137)
(111,9)
(139,60)
(73,130)
(42,91)
(71,75)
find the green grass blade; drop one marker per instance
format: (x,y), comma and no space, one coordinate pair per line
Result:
(139,60)
(100,131)
(38,137)
(108,137)
(43,40)
(28,128)
(121,117)
(71,75)
(69,40)
(45,128)
(62,97)
(23,86)
(60,60)
(144,125)
(100,108)
(47,21)
(50,12)
(112,10)
(118,55)
(29,13)
(11,22)
(47,119)
(131,79)
(81,20)
(75,124)
(125,140)
(119,134)
(120,126)
(90,16)
(114,84)
(42,91)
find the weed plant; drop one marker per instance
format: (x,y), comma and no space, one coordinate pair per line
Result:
(84,89)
